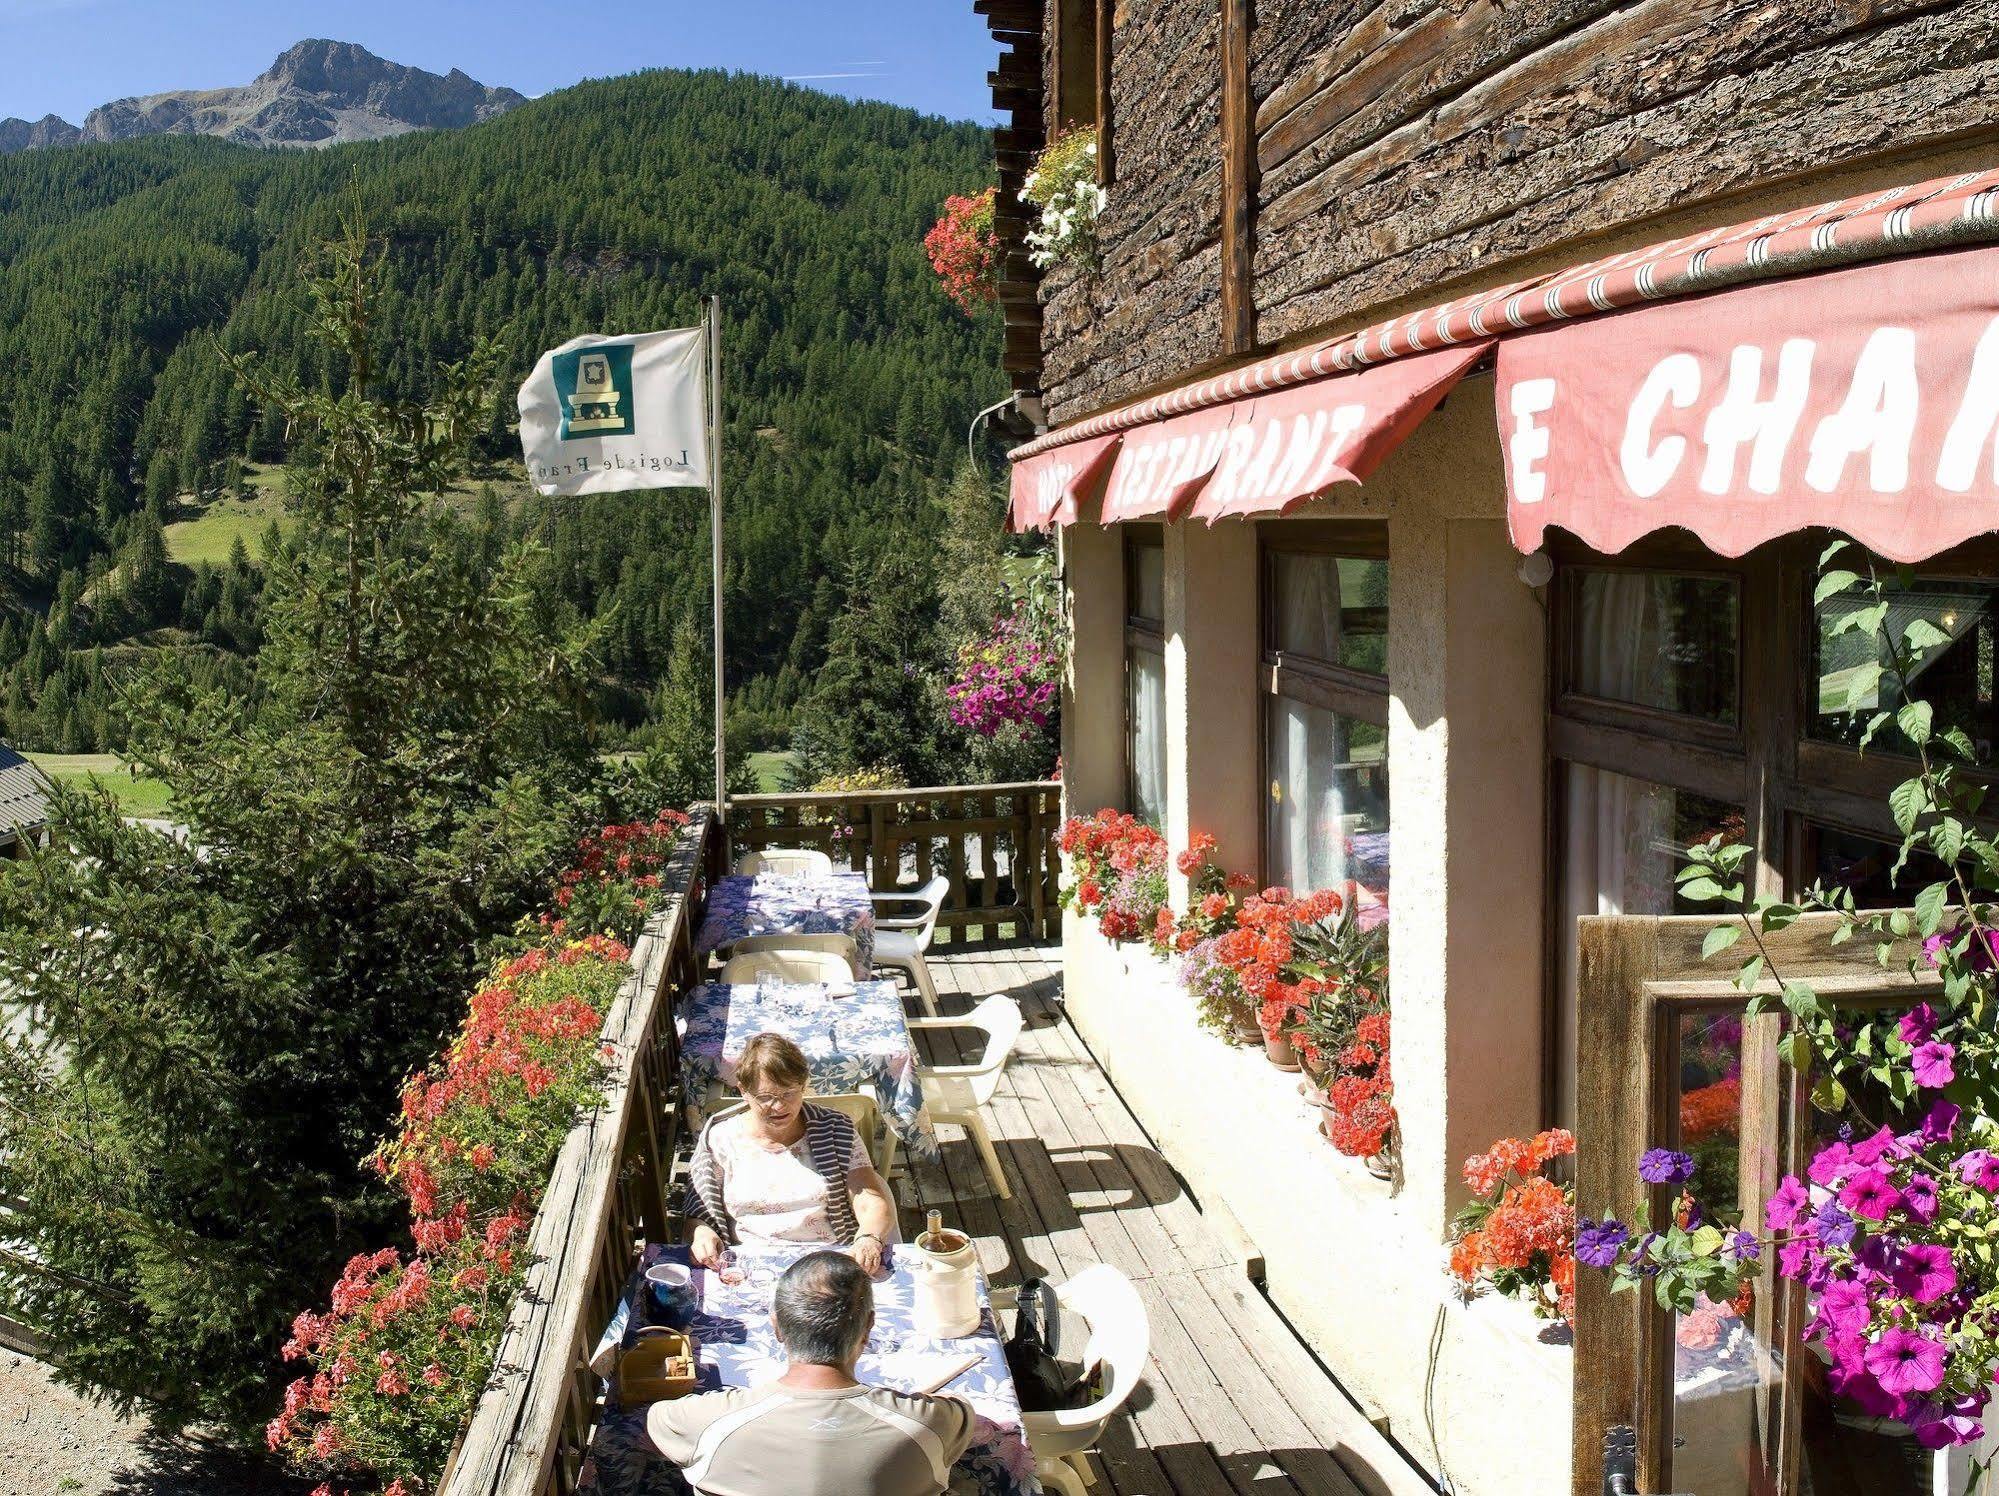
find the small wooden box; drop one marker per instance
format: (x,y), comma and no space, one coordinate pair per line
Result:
(659,1367)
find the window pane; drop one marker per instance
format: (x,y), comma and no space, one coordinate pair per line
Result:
(1621,840)
(1145,721)
(1863,864)
(1654,639)
(1327,817)
(1954,676)
(1727,1378)
(1148,583)
(1331,608)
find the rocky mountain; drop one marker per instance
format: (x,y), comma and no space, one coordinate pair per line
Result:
(317,93)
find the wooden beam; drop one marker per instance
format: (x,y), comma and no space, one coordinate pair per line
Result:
(1106,26)
(1238,183)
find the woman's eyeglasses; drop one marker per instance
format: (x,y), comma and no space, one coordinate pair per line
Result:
(777,1101)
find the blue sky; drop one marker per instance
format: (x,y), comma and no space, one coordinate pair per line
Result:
(70,55)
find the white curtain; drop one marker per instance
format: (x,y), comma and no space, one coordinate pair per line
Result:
(1308,602)
(1617,856)
(1147,725)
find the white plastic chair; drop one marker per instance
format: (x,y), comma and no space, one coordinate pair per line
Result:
(785,862)
(1120,1339)
(957,1093)
(901,941)
(860,1110)
(788,966)
(842,946)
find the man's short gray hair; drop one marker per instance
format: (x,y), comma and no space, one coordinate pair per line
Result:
(822,1307)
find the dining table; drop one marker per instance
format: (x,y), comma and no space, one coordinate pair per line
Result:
(736,1345)
(836,903)
(855,1038)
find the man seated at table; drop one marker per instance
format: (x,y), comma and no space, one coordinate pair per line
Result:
(815,1431)
(785,1169)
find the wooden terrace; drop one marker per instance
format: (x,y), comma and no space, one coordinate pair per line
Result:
(1232,1403)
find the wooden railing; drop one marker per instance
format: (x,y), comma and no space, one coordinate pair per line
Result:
(996,843)
(608,1190)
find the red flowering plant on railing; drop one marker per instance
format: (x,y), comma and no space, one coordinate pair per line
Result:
(1519,1233)
(397,1362)
(611,886)
(1118,872)
(963,246)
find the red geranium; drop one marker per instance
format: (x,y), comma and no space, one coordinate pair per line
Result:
(963,246)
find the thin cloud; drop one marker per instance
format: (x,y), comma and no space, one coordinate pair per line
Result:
(814,77)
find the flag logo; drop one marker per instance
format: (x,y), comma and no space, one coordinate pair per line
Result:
(595,388)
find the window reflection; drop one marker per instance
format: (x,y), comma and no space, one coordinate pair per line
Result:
(1954,675)
(1657,639)
(1331,608)
(1327,820)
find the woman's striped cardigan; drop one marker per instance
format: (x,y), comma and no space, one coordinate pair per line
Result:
(829,1140)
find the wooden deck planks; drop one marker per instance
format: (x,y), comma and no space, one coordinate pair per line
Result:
(1232,1404)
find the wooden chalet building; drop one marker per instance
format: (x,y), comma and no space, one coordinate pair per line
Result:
(1460,403)
(24,804)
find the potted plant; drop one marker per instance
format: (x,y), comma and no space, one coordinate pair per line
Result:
(1518,1235)
(1063,189)
(963,246)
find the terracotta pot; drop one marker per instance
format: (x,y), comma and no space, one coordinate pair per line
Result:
(1246,1030)
(1280,1053)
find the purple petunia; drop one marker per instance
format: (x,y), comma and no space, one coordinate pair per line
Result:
(1917,1024)
(1925,1272)
(1869,1193)
(1846,1307)
(1597,1242)
(1940,1122)
(1931,1065)
(1745,1247)
(1833,1226)
(1919,1197)
(1829,1162)
(1903,1361)
(1665,1166)
(1955,1422)
(1980,1169)
(1786,1205)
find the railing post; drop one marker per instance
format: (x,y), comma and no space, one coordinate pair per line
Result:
(1027,868)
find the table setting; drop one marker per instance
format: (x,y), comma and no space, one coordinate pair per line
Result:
(855,1039)
(839,903)
(726,1314)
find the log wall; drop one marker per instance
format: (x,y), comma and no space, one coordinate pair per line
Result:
(1409,150)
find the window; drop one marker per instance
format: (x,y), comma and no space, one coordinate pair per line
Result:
(1325,716)
(1083,30)
(1696,694)
(1145,675)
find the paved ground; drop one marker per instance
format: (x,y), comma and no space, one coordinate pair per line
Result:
(56,1443)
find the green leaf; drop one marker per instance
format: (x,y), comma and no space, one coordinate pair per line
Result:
(1828,1095)
(1800,999)
(1874,725)
(1906,801)
(1930,907)
(1832,584)
(1751,973)
(1833,549)
(1777,916)
(1795,1049)
(1705,890)
(1914,720)
(1719,939)
(1922,634)
(1947,839)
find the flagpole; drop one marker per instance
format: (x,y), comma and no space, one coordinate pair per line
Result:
(715,537)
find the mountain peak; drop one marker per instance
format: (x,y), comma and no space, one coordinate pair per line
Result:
(317,92)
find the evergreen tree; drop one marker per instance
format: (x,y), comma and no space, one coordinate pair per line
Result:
(205,1035)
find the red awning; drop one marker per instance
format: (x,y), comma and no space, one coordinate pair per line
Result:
(1778,255)
(1051,490)
(1248,456)
(1865,400)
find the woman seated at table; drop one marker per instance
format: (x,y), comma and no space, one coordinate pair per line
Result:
(784,1169)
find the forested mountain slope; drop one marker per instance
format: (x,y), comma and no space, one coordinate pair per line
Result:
(612,206)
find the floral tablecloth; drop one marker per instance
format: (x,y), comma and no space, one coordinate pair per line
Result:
(858,1042)
(769,904)
(739,1348)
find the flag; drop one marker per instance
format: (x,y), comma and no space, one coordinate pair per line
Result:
(602,414)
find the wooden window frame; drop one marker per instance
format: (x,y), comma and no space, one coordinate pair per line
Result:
(1340,689)
(1785,782)
(1140,633)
